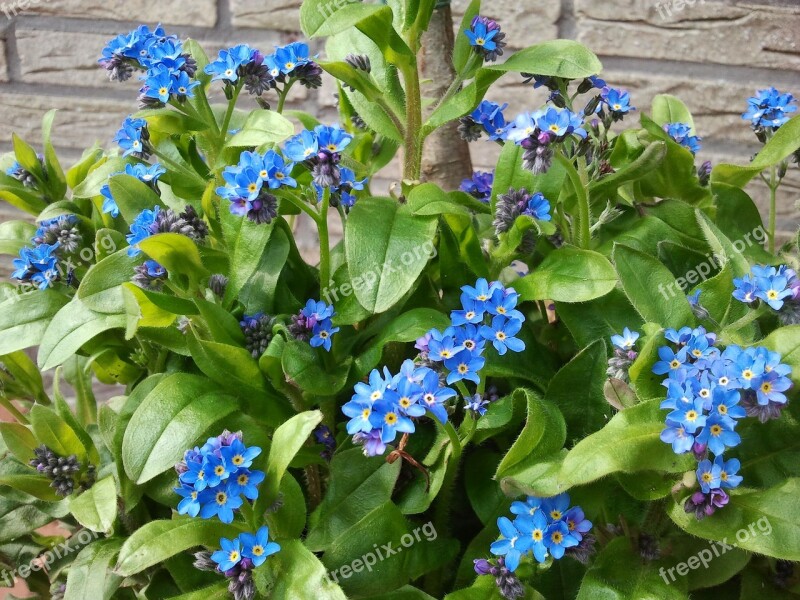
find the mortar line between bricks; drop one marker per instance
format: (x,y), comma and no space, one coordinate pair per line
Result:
(224,18)
(69,91)
(693,70)
(108,27)
(13,62)
(566,20)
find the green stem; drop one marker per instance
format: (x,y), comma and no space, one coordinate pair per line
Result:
(9,406)
(205,106)
(455,441)
(283,94)
(223,134)
(298,202)
(581,235)
(324,243)
(773,196)
(463,389)
(412,167)
(459,79)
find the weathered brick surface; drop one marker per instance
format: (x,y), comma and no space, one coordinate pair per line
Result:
(283,15)
(3,64)
(199,13)
(525,23)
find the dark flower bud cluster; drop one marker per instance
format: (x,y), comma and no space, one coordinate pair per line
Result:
(257,331)
(649,548)
(60,230)
(150,275)
(324,436)
(25,177)
(517,203)
(62,470)
(359,61)
(508,584)
(486,38)
(314,324)
(217,283)
(240,576)
(187,223)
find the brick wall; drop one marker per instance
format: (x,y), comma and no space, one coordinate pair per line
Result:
(711,53)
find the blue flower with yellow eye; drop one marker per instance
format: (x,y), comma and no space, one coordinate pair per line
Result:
(322,333)
(617,101)
(512,545)
(690,416)
(676,434)
(501,334)
(182,85)
(239,456)
(538,207)
(718,434)
(626,341)
(217,502)
(708,475)
(190,505)
(728,470)
(229,556)
(558,538)
(245,483)
(434,395)
(560,122)
(132,136)
(257,547)
(278,171)
(534,526)
(504,303)
(302,146)
(769,108)
(388,417)
(159,84)
(332,138)
(141,228)
(464,365)
(670,360)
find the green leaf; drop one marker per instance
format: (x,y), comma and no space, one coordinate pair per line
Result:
(463,101)
(19,440)
(544,433)
(647,283)
(179,256)
(670,109)
(89,575)
(556,58)
(569,275)
(100,290)
(429,199)
(618,573)
(172,417)
(584,408)
(73,326)
(600,318)
(320,18)
(54,432)
(132,196)
(771,513)
(246,241)
(141,311)
(262,127)
(24,318)
(725,251)
(358,485)
(96,508)
(303,366)
(37,486)
(387,248)
(782,144)
(286,443)
(157,541)
(786,341)
(629,443)
(225,364)
(14,235)
(55,174)
(606,188)
(295,572)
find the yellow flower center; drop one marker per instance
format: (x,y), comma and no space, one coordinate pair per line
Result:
(258,550)
(390,418)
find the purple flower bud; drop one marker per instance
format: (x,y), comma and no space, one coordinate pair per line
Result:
(482,566)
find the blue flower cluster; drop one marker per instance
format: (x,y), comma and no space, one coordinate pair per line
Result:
(143,226)
(215,476)
(547,125)
(486,38)
(248,184)
(682,134)
(769,108)
(488,117)
(314,324)
(258,72)
(708,392)
(246,551)
(169,71)
(37,264)
(148,174)
(385,406)
(133,138)
(479,186)
(776,286)
(618,102)
(542,527)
